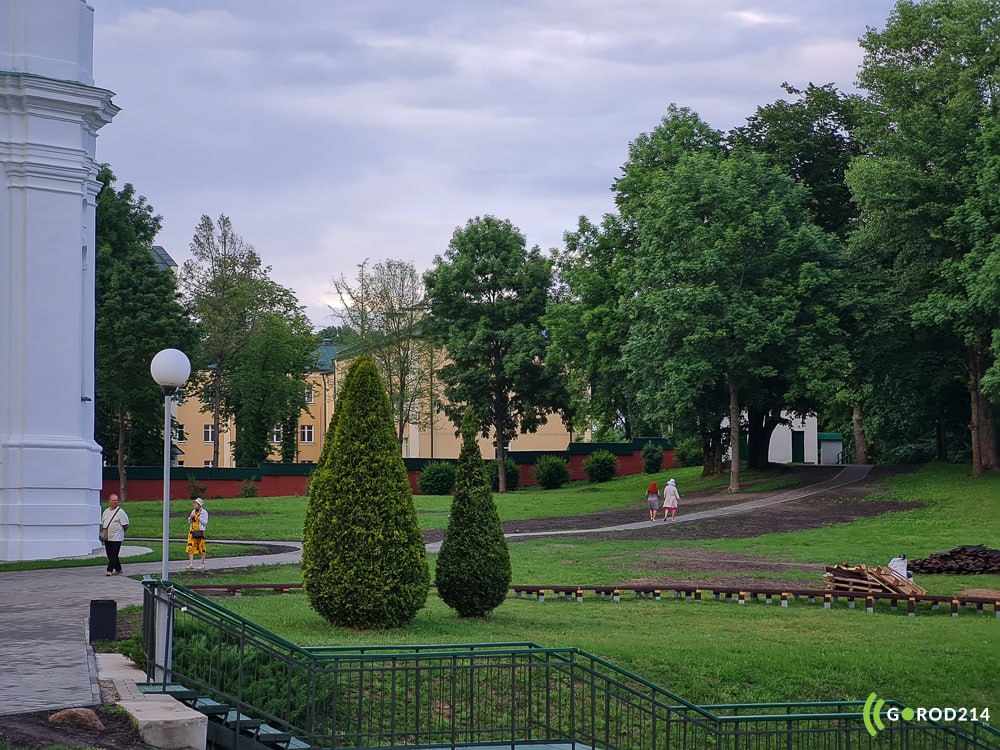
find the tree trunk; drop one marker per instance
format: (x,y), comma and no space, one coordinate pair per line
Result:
(860,439)
(941,440)
(498,452)
(976,413)
(122,471)
(217,387)
(988,435)
(734,436)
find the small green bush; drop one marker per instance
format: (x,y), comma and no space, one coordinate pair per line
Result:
(473,568)
(513,474)
(688,452)
(600,466)
(652,458)
(248,489)
(195,488)
(437,478)
(551,472)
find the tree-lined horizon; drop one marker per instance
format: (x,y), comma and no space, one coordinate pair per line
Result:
(837,255)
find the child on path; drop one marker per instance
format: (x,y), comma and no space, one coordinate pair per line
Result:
(652,500)
(670,498)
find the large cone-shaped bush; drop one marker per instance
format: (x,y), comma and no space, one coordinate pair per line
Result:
(363,558)
(473,568)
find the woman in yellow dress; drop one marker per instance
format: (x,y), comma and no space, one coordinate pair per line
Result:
(197,524)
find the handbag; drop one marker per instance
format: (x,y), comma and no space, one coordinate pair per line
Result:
(198,534)
(102,535)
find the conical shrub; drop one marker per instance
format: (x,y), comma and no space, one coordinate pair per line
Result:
(363,559)
(473,567)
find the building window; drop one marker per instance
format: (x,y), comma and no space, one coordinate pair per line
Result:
(209,463)
(305,433)
(208,433)
(277,435)
(180,463)
(181,435)
(309,395)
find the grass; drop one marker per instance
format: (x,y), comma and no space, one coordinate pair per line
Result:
(714,652)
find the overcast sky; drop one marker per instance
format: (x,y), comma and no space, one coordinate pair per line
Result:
(331,131)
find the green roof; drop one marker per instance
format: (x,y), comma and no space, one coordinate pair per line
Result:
(828,436)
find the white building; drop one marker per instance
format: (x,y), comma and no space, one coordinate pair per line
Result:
(50,112)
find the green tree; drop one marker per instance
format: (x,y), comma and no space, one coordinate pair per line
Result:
(932,79)
(473,568)
(487,296)
(233,298)
(732,282)
(383,315)
(267,382)
(587,327)
(363,559)
(138,312)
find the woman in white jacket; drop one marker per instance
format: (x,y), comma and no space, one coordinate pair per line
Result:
(670,498)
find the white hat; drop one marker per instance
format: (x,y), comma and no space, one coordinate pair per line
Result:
(199,502)
(671,482)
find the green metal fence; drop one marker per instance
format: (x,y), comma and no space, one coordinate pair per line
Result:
(487,695)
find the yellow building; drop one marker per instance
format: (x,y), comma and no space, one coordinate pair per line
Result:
(437,440)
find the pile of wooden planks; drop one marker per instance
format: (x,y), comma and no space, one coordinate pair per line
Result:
(865,580)
(968,560)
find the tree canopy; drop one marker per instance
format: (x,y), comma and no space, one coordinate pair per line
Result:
(488,294)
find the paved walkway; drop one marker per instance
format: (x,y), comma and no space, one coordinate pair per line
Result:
(46,662)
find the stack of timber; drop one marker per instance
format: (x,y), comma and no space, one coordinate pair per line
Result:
(864,580)
(969,560)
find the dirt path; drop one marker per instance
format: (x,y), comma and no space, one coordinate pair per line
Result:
(691,566)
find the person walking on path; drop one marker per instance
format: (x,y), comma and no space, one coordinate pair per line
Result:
(197,524)
(670,498)
(114,523)
(652,500)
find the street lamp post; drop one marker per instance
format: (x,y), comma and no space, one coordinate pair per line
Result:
(170,369)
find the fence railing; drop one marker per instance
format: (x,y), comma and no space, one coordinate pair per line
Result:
(500,694)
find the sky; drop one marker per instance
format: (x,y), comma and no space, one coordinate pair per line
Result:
(335,131)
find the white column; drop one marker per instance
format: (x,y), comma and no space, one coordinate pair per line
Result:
(50,466)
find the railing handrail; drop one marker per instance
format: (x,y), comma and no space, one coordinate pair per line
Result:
(563,660)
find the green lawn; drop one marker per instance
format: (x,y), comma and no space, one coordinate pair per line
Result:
(715,652)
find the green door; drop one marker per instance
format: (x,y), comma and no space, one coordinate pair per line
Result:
(798,446)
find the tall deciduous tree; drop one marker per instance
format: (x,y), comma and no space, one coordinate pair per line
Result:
(813,139)
(363,559)
(731,278)
(588,326)
(473,568)
(487,296)
(382,315)
(932,77)
(235,301)
(138,312)
(266,384)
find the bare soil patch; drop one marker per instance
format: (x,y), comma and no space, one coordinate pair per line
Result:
(34,732)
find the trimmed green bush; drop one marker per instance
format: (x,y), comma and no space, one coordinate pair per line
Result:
(551,472)
(247,489)
(473,568)
(363,559)
(513,474)
(437,478)
(600,466)
(688,452)
(652,458)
